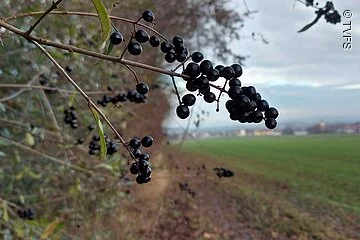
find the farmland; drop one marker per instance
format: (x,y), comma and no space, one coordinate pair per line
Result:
(323,169)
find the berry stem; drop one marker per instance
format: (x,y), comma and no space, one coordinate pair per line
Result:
(221,91)
(133,72)
(53,6)
(91,104)
(123,53)
(182,63)
(176,90)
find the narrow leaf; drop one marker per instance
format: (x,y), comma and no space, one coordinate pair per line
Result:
(50,229)
(29,139)
(104,19)
(5,212)
(103,148)
(310,24)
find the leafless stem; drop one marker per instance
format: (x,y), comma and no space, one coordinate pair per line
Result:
(53,6)
(26,86)
(55,160)
(51,113)
(14,95)
(134,73)
(91,104)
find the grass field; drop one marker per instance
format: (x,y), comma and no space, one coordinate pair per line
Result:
(324,168)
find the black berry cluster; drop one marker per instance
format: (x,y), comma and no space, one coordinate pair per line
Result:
(245,104)
(132,96)
(185,188)
(94,145)
(26,213)
(71,117)
(329,12)
(174,50)
(223,172)
(44,81)
(333,17)
(140,166)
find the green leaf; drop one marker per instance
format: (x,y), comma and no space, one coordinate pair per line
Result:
(104,20)
(50,229)
(29,139)
(318,16)
(103,148)
(5,212)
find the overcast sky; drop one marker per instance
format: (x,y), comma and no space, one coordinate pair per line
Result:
(308,76)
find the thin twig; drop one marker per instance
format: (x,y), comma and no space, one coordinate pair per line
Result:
(91,104)
(14,95)
(26,86)
(176,90)
(53,6)
(55,160)
(134,73)
(88,15)
(51,113)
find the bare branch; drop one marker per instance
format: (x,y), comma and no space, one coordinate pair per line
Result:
(53,6)
(91,104)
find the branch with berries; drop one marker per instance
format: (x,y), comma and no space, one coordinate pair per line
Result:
(328,11)
(201,76)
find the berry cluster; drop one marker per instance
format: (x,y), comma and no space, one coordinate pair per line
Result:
(136,96)
(185,187)
(245,106)
(223,172)
(94,145)
(333,17)
(71,117)
(329,12)
(175,50)
(141,165)
(26,213)
(140,37)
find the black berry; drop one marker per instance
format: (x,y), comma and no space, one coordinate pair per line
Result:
(182,111)
(142,88)
(135,143)
(147,141)
(238,69)
(189,99)
(271,113)
(141,36)
(177,41)
(134,48)
(270,123)
(165,47)
(116,38)
(197,57)
(170,57)
(148,16)
(209,97)
(228,72)
(205,66)
(154,41)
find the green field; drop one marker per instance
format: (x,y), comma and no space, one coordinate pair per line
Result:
(324,168)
